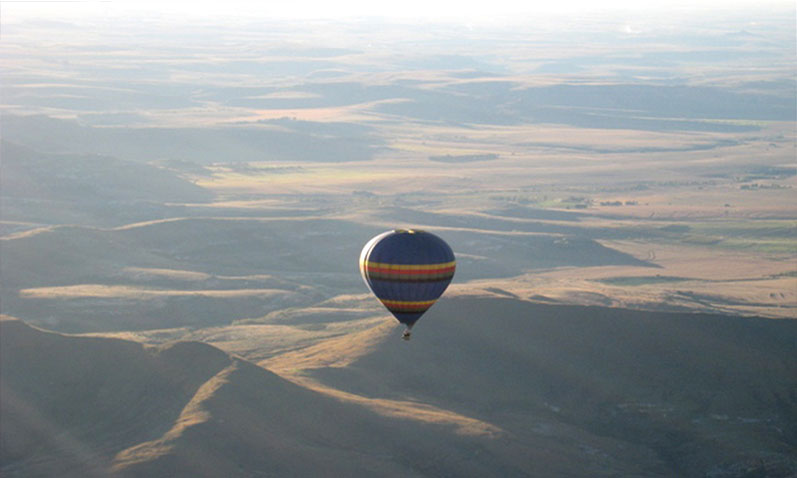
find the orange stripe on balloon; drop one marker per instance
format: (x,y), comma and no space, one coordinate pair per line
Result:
(430,270)
(407,267)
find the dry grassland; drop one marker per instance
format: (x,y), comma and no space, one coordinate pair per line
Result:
(342,351)
(137,293)
(193,414)
(699,279)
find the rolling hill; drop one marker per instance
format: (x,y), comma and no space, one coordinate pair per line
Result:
(672,394)
(75,279)
(51,188)
(558,391)
(77,406)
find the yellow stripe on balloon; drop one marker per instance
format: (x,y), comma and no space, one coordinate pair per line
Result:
(408,303)
(406,267)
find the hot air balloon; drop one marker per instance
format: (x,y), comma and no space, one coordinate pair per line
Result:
(407,270)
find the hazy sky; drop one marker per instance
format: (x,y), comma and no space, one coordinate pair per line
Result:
(430,9)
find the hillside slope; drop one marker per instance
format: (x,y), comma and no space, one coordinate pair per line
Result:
(70,403)
(53,188)
(705,395)
(88,406)
(567,391)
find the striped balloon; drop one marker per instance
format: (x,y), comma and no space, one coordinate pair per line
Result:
(407,270)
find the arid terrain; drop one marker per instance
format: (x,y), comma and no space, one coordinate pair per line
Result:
(184,203)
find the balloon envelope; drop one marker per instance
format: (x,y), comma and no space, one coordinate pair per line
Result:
(407,270)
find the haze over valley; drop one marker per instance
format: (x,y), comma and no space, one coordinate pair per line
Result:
(183,204)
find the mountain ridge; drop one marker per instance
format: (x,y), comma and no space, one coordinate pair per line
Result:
(96,406)
(554,390)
